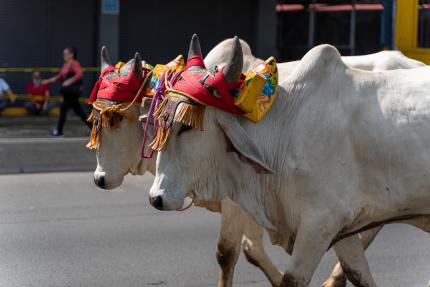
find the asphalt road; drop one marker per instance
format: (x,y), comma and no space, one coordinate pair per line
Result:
(58,229)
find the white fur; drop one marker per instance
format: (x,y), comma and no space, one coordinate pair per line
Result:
(348,147)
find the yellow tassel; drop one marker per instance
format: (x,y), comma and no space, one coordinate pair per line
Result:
(95,138)
(105,118)
(91,116)
(191,115)
(160,108)
(160,138)
(188,114)
(95,134)
(108,117)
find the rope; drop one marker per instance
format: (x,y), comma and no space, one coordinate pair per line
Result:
(157,98)
(193,198)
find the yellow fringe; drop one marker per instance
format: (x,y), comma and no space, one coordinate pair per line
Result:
(108,117)
(191,115)
(91,116)
(95,138)
(161,138)
(160,108)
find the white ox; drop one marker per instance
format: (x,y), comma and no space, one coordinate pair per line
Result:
(119,154)
(344,150)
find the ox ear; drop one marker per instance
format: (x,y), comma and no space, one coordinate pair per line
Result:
(233,68)
(137,65)
(238,141)
(104,59)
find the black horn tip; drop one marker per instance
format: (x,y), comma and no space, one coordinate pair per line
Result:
(195,49)
(233,68)
(137,67)
(105,59)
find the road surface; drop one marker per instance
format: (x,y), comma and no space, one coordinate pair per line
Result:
(58,229)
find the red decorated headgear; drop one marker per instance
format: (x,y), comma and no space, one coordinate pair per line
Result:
(120,89)
(207,89)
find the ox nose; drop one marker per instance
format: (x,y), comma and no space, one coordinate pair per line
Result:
(156,202)
(100,181)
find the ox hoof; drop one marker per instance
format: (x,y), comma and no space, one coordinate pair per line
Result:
(290,281)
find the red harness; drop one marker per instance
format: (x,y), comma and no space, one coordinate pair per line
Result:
(199,87)
(121,89)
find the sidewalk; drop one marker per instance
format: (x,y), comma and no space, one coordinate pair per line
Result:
(25,145)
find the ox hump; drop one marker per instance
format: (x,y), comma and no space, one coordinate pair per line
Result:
(320,59)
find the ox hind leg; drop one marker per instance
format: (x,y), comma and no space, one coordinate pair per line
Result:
(337,277)
(252,245)
(421,222)
(229,241)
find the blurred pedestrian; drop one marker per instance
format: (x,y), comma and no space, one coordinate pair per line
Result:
(39,94)
(70,77)
(5,89)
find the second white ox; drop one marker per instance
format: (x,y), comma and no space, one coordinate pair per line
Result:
(344,151)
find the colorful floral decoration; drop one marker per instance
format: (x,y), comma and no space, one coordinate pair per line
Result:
(259,90)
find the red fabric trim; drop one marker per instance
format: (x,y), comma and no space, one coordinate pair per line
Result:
(121,89)
(190,84)
(195,61)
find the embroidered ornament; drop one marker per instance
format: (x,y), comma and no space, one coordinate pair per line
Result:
(158,73)
(259,90)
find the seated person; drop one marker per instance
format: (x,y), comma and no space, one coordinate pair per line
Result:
(39,94)
(5,89)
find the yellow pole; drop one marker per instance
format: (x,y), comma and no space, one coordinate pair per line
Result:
(406,24)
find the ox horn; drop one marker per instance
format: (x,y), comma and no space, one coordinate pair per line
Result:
(105,59)
(137,66)
(233,68)
(195,49)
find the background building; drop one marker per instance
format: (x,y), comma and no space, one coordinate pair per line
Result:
(35,32)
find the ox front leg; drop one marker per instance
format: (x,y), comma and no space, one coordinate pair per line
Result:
(229,241)
(252,245)
(350,252)
(337,277)
(312,241)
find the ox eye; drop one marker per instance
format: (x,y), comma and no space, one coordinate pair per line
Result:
(183,129)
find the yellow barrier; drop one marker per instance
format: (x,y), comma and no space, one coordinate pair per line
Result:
(25,97)
(22,111)
(407,31)
(44,69)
